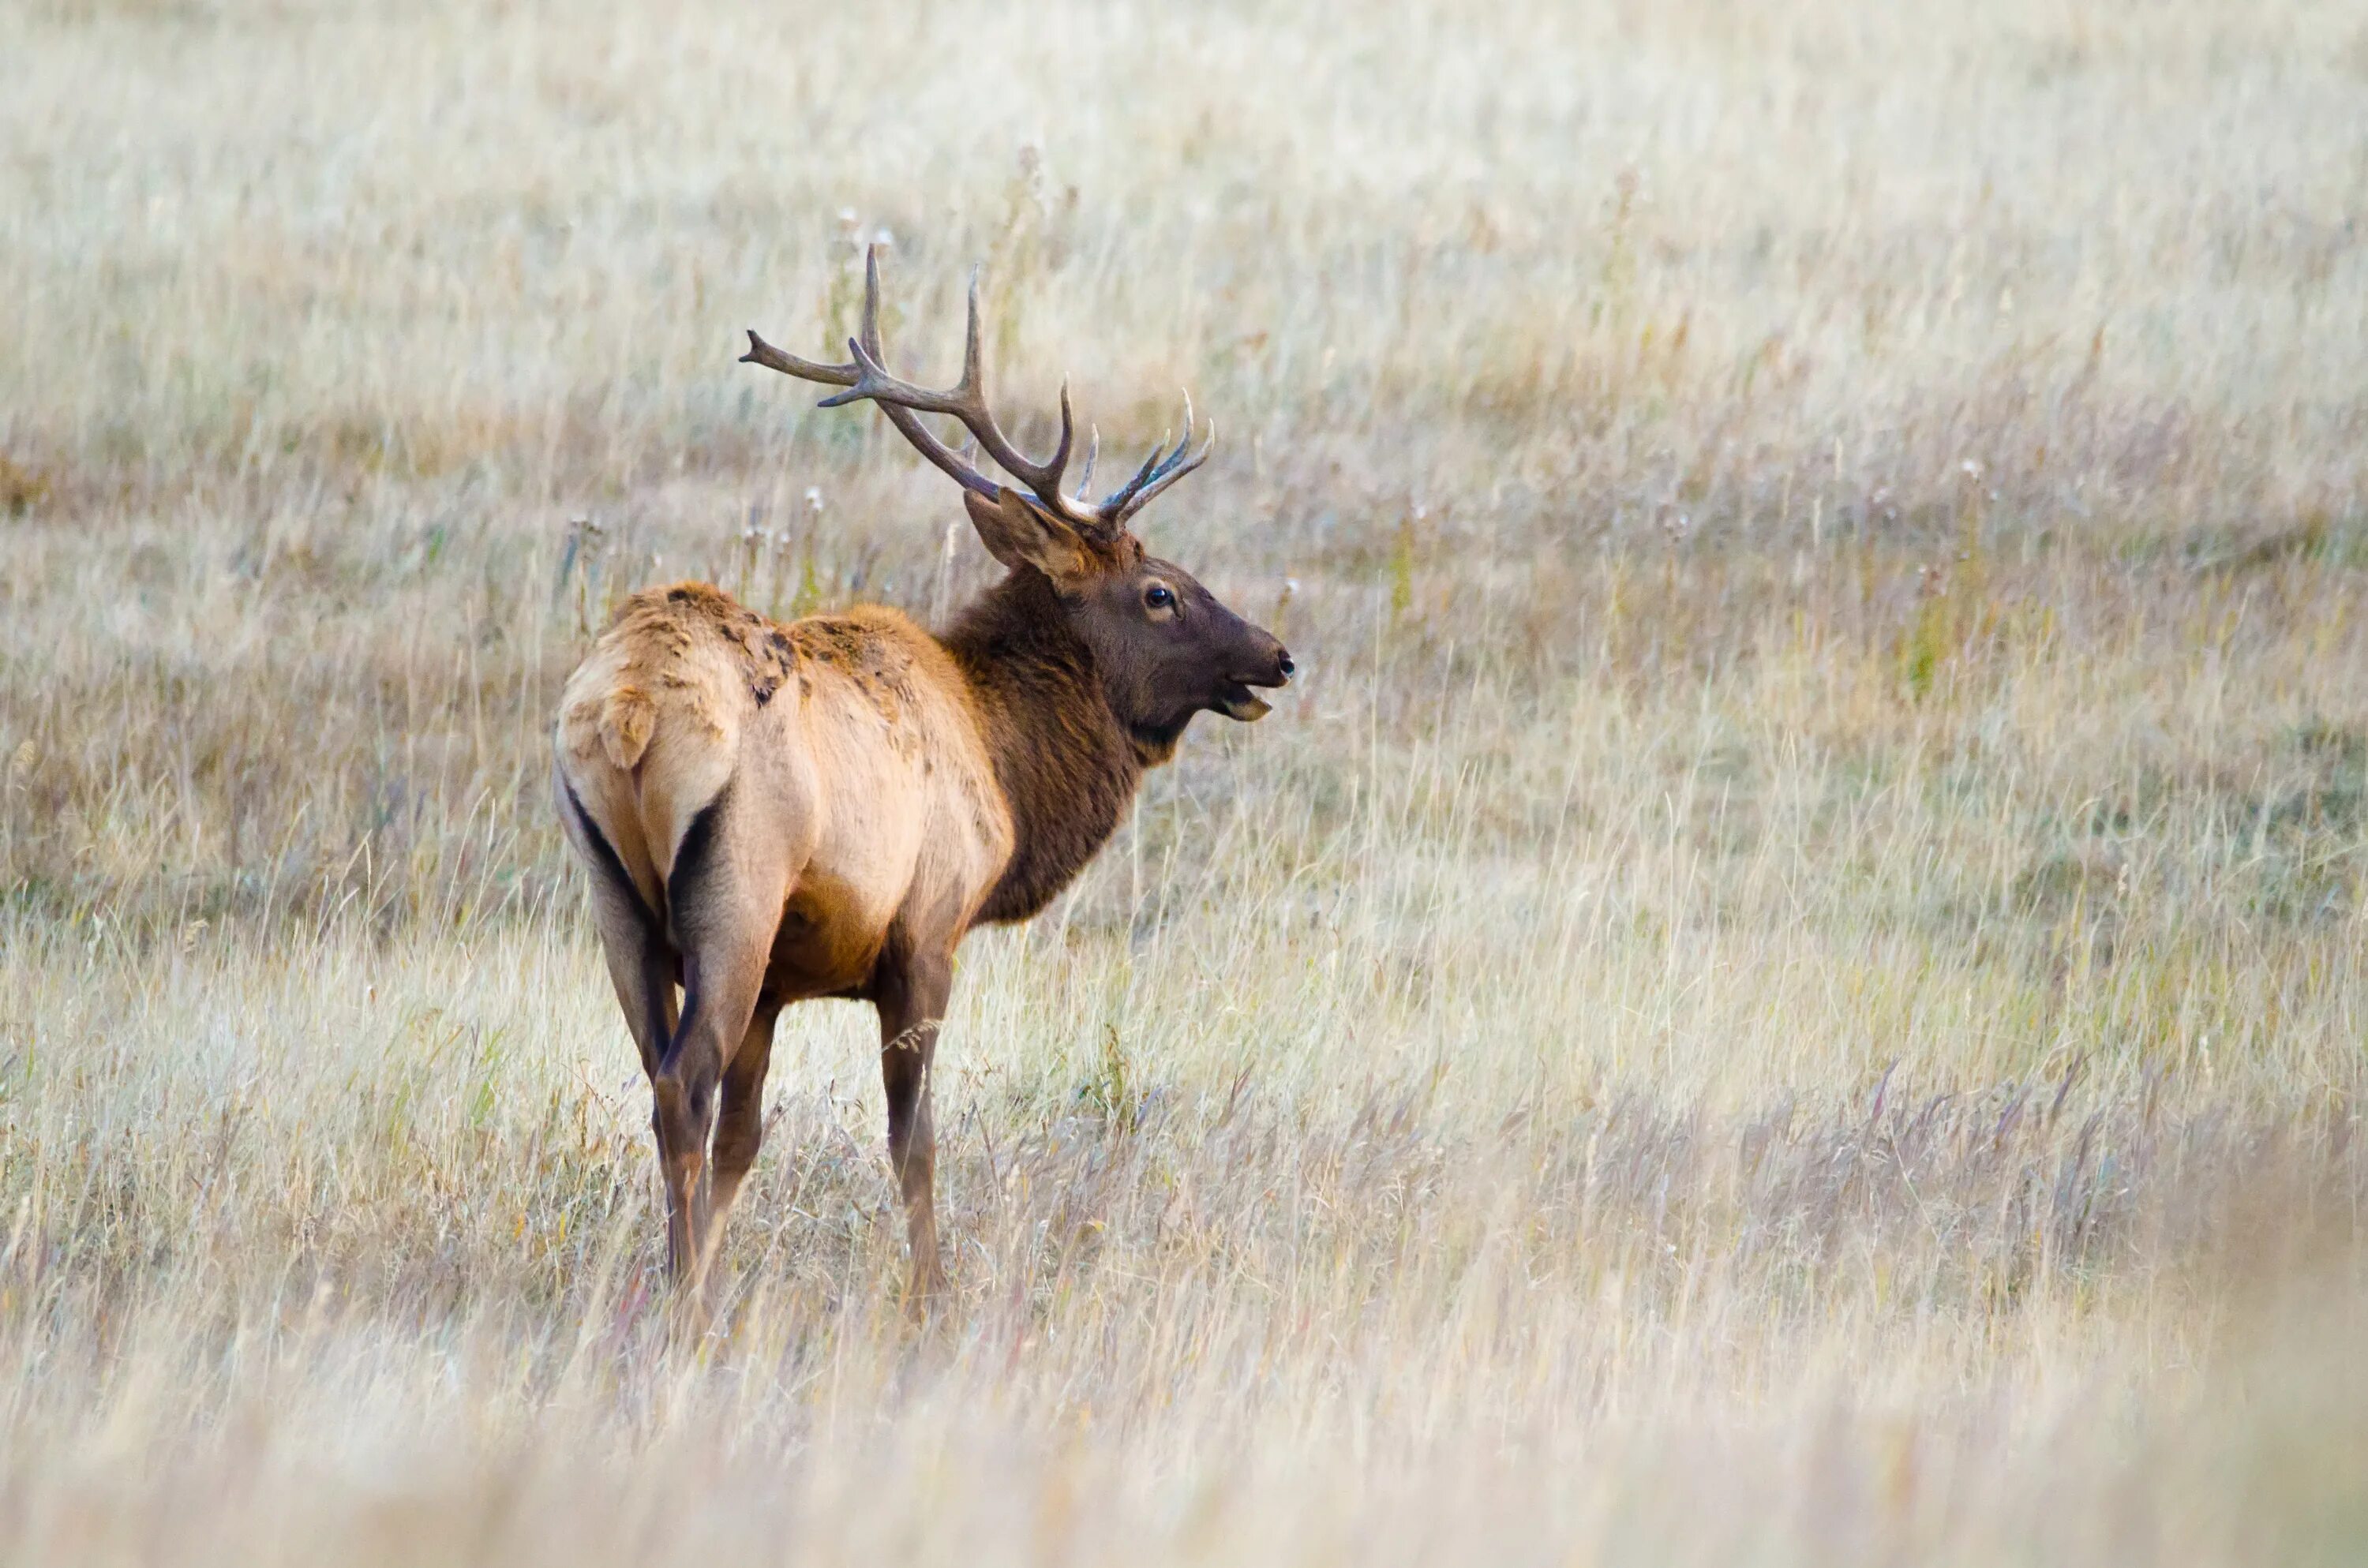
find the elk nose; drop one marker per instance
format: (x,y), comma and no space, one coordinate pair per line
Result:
(1283,666)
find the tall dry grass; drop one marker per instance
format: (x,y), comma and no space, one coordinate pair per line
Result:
(1788,989)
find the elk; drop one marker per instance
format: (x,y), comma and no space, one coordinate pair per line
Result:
(775,812)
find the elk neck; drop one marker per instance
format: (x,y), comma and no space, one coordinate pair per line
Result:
(1068,764)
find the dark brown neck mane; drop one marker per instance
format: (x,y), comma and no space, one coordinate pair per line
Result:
(1068,764)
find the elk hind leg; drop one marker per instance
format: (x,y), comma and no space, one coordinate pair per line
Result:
(724,900)
(740,1120)
(641,965)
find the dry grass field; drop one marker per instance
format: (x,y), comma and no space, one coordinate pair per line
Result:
(1789,988)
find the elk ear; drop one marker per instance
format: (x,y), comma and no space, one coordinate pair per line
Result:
(1018,532)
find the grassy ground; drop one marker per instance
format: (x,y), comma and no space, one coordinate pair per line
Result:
(1789,988)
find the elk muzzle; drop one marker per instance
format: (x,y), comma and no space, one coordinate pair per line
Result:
(1235,698)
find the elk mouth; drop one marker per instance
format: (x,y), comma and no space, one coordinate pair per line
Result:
(1237,700)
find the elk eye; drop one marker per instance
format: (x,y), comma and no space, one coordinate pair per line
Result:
(1159,596)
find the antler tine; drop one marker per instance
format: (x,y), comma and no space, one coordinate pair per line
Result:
(1141,476)
(1093,450)
(974,376)
(1169,474)
(872,380)
(870,327)
(763,353)
(1041,478)
(1058,463)
(1161,469)
(1044,479)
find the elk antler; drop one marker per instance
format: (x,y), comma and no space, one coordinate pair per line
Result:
(865,376)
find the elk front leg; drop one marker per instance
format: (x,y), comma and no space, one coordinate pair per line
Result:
(911,995)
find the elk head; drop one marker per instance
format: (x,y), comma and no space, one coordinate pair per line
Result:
(1163,646)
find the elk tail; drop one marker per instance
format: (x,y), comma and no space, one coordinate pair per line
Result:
(627,717)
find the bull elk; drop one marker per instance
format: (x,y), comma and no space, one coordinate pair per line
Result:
(772,813)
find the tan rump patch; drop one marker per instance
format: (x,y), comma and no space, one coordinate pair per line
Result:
(626,720)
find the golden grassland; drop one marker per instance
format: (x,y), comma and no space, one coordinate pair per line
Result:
(1788,988)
